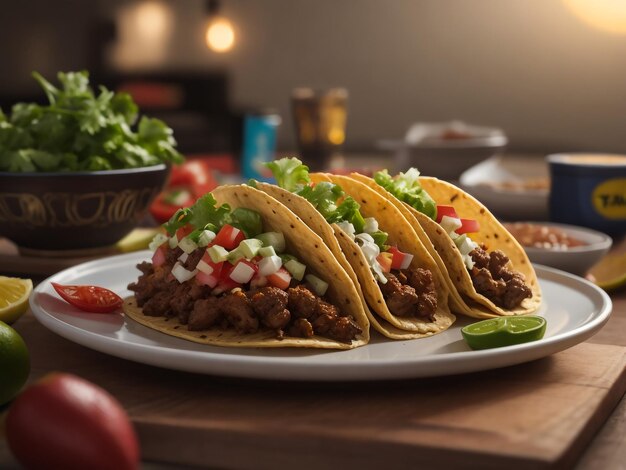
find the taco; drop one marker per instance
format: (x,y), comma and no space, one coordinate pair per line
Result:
(489,272)
(240,269)
(399,282)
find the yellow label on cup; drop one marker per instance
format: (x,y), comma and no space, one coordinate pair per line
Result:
(609,198)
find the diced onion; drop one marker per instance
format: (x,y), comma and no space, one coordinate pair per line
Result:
(173,242)
(182,258)
(270,265)
(242,273)
(204,267)
(187,245)
(181,274)
(206,237)
(157,241)
(406,261)
(450,224)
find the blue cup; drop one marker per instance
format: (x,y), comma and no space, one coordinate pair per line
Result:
(589,190)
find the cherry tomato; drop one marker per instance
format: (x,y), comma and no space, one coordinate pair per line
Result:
(89,298)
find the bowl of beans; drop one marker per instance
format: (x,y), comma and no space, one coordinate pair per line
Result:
(567,247)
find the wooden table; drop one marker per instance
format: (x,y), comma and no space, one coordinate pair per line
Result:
(563,411)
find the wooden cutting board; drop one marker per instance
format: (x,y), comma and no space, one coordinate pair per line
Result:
(539,415)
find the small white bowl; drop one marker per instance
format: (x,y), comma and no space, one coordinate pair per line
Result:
(576,260)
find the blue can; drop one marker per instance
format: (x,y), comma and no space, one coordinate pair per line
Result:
(259,144)
(589,190)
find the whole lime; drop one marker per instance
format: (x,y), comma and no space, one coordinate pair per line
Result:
(14,363)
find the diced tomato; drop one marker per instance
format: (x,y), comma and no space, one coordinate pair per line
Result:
(280,279)
(445,210)
(227,268)
(225,285)
(229,237)
(207,262)
(184,231)
(158,258)
(385,259)
(93,299)
(400,259)
(210,280)
(468,226)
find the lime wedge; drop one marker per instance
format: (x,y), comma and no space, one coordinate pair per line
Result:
(610,272)
(504,331)
(138,239)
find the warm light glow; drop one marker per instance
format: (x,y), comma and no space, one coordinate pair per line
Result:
(220,35)
(152,20)
(607,15)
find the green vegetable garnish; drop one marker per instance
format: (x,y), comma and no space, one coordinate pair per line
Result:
(205,215)
(291,174)
(407,188)
(80,130)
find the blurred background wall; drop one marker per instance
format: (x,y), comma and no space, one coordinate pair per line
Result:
(531,67)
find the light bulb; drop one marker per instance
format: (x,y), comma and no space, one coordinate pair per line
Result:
(220,35)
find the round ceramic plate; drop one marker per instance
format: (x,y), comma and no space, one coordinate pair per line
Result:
(573,308)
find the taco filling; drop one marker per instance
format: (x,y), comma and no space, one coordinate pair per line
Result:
(491,273)
(215,270)
(408,292)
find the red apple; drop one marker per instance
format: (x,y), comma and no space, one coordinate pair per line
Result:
(65,422)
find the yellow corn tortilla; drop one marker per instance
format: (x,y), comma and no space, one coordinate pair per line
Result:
(302,242)
(350,255)
(492,233)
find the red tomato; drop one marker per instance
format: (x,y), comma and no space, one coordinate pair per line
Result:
(468,226)
(66,422)
(210,280)
(385,260)
(445,210)
(194,177)
(183,231)
(400,259)
(280,279)
(229,237)
(89,298)
(158,258)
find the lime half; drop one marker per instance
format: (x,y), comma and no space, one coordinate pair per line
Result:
(504,331)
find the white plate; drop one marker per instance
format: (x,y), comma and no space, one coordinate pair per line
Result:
(574,308)
(509,204)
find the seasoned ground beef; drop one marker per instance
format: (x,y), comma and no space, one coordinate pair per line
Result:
(194,258)
(492,278)
(296,312)
(410,293)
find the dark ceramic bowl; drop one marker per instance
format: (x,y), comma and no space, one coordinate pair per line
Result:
(77,210)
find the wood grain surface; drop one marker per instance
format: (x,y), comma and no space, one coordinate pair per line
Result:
(539,414)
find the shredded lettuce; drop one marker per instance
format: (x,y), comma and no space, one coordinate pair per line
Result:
(291,174)
(407,188)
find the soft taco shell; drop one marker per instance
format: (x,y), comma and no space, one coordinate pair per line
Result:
(302,242)
(339,244)
(401,234)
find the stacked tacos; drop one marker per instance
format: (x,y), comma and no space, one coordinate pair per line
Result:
(402,290)
(488,272)
(240,269)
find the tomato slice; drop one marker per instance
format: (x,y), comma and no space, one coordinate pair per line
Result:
(89,298)
(445,210)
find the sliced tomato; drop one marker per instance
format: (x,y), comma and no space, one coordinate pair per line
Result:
(400,260)
(280,279)
(468,226)
(93,299)
(229,237)
(445,210)
(385,260)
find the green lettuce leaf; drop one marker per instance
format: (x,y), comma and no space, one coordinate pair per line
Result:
(407,188)
(290,173)
(247,220)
